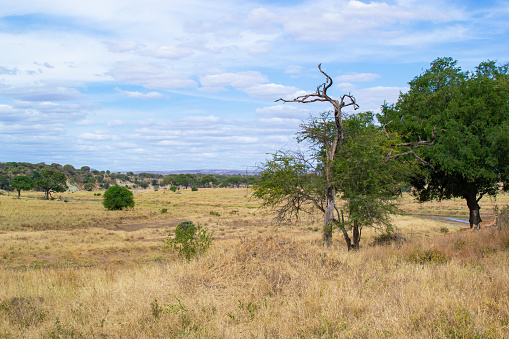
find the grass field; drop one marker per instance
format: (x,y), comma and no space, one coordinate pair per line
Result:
(71,269)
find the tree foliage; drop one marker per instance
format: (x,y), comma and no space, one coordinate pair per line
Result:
(50,181)
(189,240)
(361,174)
(21,182)
(469,158)
(118,198)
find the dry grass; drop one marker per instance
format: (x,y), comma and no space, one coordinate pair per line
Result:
(112,280)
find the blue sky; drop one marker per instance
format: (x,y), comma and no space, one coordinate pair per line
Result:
(175,85)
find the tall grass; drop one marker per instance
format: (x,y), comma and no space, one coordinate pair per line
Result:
(256,280)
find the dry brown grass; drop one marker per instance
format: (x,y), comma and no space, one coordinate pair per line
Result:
(113,280)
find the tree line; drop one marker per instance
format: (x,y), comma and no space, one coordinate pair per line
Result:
(20,176)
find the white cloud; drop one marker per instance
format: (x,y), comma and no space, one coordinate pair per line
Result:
(150,76)
(169,52)
(274,91)
(240,80)
(335,21)
(85,122)
(139,95)
(372,98)
(357,77)
(115,123)
(43,92)
(283,111)
(97,135)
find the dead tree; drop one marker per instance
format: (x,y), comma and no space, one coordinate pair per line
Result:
(330,147)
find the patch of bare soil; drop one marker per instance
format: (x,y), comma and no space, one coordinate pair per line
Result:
(139,226)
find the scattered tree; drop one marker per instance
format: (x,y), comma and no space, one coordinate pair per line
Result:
(208,180)
(50,181)
(21,182)
(118,198)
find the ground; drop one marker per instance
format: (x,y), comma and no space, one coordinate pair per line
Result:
(72,269)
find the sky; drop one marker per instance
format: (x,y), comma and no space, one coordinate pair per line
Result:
(154,85)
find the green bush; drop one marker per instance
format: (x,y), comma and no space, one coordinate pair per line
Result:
(194,189)
(118,198)
(189,240)
(173,188)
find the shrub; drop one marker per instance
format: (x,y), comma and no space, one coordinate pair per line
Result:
(432,255)
(189,240)
(194,189)
(387,238)
(173,188)
(118,198)
(164,210)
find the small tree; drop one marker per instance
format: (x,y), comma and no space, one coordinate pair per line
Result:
(118,198)
(189,240)
(21,182)
(50,181)
(362,174)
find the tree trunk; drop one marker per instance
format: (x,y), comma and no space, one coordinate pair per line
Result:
(19,193)
(345,232)
(356,235)
(328,219)
(473,206)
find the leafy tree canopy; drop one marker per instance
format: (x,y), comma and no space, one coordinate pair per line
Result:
(50,181)
(361,174)
(21,182)
(468,113)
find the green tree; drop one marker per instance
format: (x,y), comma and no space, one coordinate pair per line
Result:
(208,180)
(118,198)
(4,182)
(21,182)
(469,158)
(368,180)
(50,181)
(168,180)
(234,181)
(69,169)
(361,174)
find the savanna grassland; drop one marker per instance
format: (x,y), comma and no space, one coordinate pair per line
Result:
(71,269)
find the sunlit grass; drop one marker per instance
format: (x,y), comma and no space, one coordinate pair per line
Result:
(72,269)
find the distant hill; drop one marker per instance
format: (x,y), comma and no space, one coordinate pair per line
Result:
(85,178)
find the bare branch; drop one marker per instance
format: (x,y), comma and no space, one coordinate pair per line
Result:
(387,134)
(321,95)
(406,153)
